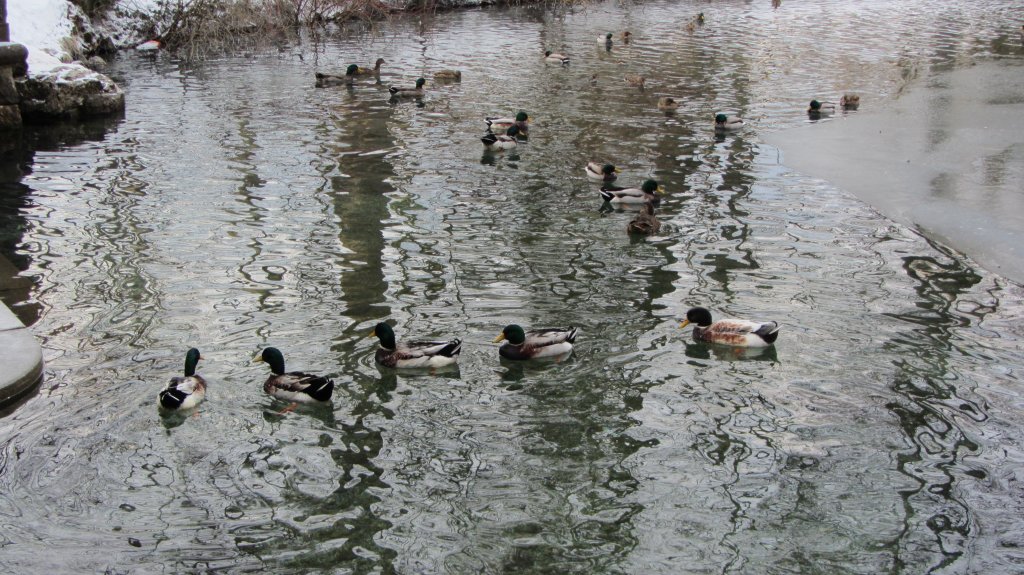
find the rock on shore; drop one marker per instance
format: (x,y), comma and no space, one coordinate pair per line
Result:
(68,91)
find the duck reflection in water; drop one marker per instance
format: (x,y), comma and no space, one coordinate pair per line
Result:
(700,350)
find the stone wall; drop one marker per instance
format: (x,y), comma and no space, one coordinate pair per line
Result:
(12,57)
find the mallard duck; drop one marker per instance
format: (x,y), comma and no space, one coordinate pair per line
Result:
(700,19)
(521,121)
(325,80)
(184,392)
(635,80)
(448,76)
(550,56)
(413,353)
(817,108)
(849,101)
(416,92)
(495,142)
(645,193)
(605,173)
(735,332)
(547,342)
(667,104)
(645,223)
(605,40)
(724,122)
(293,386)
(691,26)
(375,71)
(626,36)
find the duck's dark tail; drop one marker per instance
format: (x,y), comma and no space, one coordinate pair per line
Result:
(453,348)
(320,389)
(172,398)
(489,139)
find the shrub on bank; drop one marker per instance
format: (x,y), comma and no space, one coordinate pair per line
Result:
(195,28)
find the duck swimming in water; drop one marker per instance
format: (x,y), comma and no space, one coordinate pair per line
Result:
(521,121)
(326,80)
(293,386)
(448,76)
(645,193)
(185,392)
(734,332)
(412,354)
(817,108)
(724,122)
(494,142)
(645,223)
(546,342)
(605,173)
(375,71)
(416,92)
(555,57)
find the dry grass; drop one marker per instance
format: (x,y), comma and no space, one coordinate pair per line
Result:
(195,29)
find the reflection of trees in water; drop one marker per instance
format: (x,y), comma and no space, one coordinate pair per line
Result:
(352,504)
(17,153)
(930,399)
(575,449)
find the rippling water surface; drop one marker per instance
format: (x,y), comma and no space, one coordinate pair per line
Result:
(237,206)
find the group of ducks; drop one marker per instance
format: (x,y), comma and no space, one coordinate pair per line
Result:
(185,393)
(355,72)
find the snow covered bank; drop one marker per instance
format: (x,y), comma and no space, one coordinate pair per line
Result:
(41,26)
(55,87)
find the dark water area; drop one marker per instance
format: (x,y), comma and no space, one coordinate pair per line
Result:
(236,206)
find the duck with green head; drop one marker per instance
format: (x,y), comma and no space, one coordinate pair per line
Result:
(293,386)
(185,392)
(520,121)
(496,143)
(416,92)
(555,57)
(325,80)
(647,192)
(413,354)
(605,173)
(733,332)
(605,40)
(818,109)
(726,122)
(537,343)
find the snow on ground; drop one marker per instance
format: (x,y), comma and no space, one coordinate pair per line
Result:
(42,26)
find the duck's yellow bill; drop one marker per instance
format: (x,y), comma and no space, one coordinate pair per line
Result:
(685,323)
(258,358)
(501,337)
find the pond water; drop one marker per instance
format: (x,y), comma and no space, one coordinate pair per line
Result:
(237,206)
